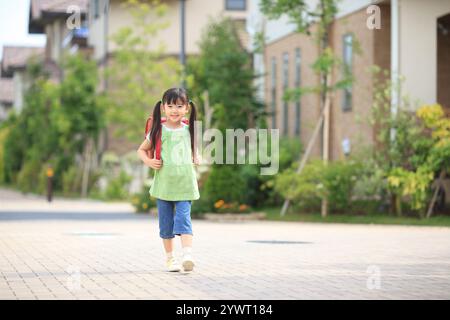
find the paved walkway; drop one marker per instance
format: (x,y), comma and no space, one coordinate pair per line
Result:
(95,251)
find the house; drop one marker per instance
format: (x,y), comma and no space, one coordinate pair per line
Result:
(49,17)
(63,22)
(413,41)
(6,97)
(13,75)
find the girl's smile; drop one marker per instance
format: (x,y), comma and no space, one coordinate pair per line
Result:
(175,112)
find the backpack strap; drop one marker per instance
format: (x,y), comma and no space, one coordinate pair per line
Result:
(148,128)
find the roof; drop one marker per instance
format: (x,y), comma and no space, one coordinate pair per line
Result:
(16,57)
(42,11)
(6,90)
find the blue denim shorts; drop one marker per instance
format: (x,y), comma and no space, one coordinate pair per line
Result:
(174,218)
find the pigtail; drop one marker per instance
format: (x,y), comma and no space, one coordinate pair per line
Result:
(192,118)
(156,125)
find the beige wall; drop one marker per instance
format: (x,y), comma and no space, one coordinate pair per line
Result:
(55,31)
(18,80)
(197,14)
(96,30)
(418,43)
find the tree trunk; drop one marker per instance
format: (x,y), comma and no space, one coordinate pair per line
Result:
(86,168)
(433,200)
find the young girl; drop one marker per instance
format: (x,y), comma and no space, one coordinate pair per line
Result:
(175,184)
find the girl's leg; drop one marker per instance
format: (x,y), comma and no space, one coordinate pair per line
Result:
(165,213)
(182,222)
(165,217)
(168,245)
(186,240)
(183,227)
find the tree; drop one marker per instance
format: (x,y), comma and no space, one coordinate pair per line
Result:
(224,70)
(54,126)
(137,75)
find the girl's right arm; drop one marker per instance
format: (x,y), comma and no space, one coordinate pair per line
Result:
(142,153)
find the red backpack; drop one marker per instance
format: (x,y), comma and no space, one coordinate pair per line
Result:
(148,128)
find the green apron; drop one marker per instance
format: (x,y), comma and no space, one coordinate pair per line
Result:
(176,180)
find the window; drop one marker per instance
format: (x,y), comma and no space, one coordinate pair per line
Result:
(347,70)
(235,5)
(297,85)
(285,87)
(96,8)
(273,90)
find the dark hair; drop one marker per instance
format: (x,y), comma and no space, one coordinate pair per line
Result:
(172,96)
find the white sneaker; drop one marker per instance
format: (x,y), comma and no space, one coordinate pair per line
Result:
(173,265)
(188,262)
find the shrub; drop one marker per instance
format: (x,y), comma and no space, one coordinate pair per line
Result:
(70,181)
(143,202)
(339,179)
(225,182)
(118,186)
(28,177)
(201,206)
(290,149)
(334,181)
(303,190)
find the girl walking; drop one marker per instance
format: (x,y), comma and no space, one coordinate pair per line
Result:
(175,183)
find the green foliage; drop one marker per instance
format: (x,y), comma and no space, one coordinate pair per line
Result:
(3,134)
(415,184)
(224,70)
(117,188)
(28,176)
(301,13)
(53,127)
(371,183)
(290,149)
(143,202)
(419,149)
(333,181)
(438,146)
(71,181)
(225,183)
(201,206)
(339,179)
(140,71)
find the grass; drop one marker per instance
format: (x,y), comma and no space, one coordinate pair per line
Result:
(273,214)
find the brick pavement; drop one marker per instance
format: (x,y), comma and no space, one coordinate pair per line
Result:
(107,254)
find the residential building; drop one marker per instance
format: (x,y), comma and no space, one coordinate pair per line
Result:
(63,23)
(6,97)
(13,75)
(413,41)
